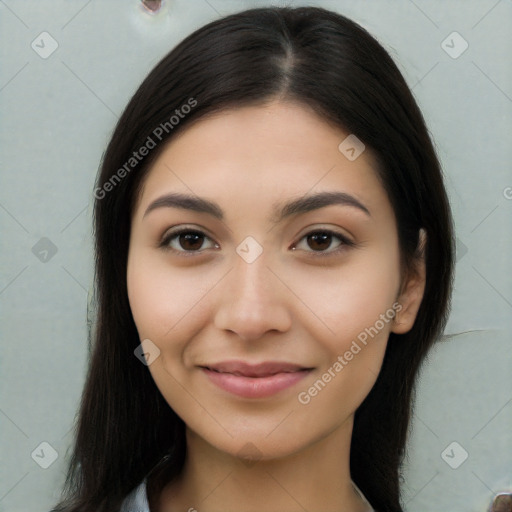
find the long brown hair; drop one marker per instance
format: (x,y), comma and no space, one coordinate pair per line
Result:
(317,58)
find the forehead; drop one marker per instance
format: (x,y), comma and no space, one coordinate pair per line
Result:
(261,154)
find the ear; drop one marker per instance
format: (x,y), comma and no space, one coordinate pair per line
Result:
(412,291)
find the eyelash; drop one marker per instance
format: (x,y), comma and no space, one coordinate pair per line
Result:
(168,237)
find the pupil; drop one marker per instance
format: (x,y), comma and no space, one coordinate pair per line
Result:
(323,239)
(190,241)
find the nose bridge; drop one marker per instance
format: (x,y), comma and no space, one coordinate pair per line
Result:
(250,274)
(251,286)
(251,280)
(252,301)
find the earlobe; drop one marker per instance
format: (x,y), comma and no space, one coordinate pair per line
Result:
(412,291)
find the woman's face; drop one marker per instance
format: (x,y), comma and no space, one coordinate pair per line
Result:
(268,316)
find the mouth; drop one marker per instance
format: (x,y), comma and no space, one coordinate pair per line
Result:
(254,381)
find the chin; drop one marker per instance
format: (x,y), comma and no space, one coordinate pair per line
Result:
(253,444)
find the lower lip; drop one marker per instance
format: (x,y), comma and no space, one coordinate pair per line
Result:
(255,387)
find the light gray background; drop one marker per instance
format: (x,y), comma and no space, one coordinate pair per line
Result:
(57,115)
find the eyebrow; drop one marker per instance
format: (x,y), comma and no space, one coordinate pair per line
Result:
(302,205)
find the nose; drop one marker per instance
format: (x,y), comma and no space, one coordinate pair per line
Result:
(252,301)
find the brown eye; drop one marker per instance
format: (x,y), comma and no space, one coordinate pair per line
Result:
(186,241)
(190,241)
(321,240)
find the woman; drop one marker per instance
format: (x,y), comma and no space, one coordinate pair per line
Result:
(274,260)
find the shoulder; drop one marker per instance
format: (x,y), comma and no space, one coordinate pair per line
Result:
(137,500)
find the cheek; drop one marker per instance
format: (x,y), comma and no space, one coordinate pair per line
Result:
(351,310)
(342,301)
(359,314)
(167,303)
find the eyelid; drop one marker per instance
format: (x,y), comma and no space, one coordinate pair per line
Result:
(346,242)
(344,234)
(171,233)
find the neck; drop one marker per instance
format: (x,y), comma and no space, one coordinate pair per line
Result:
(317,478)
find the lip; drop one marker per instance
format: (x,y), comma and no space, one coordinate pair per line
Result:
(254,380)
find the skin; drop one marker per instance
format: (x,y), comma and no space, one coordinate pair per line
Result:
(287,305)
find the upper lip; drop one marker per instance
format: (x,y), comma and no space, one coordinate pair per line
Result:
(254,370)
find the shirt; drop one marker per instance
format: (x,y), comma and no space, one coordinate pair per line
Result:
(137,500)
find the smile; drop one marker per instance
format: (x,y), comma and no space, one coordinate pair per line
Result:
(254,381)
